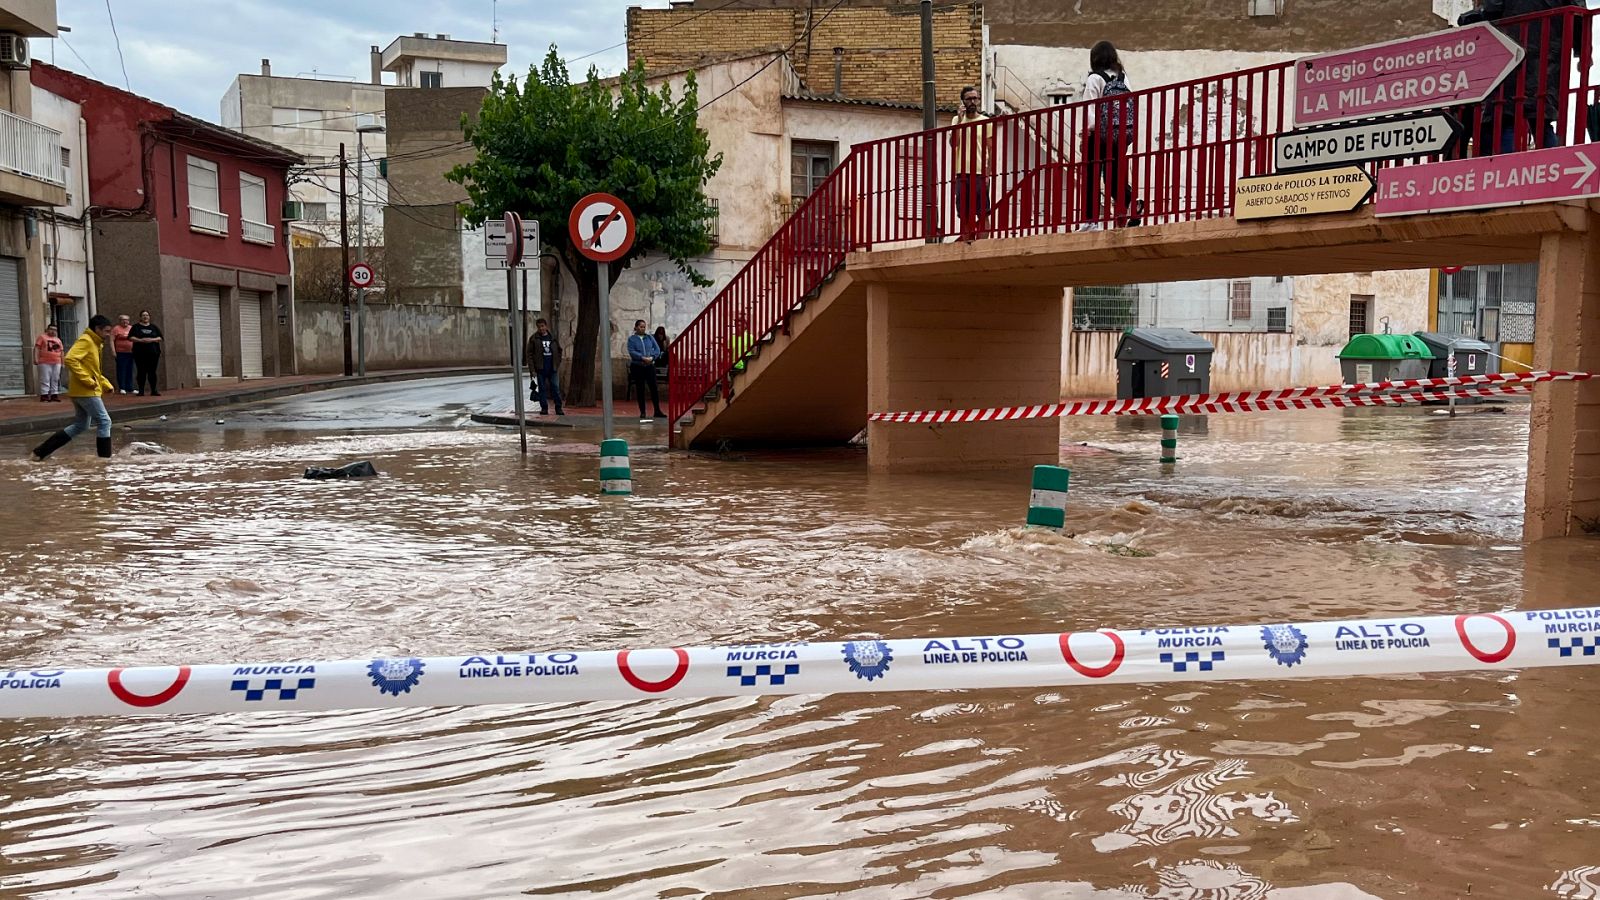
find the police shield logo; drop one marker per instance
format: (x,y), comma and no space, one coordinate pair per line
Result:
(1285,643)
(395,676)
(868,659)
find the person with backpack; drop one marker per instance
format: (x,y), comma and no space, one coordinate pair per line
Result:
(1113,123)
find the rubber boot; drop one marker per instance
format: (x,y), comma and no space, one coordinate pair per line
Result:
(102,446)
(51,444)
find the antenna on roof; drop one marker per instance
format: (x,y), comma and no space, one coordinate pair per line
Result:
(494,21)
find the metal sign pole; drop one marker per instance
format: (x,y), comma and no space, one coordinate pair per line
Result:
(604,270)
(516,356)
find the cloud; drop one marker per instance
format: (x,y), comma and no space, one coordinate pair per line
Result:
(186,54)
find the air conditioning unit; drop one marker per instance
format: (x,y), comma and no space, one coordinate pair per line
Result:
(13,51)
(293,211)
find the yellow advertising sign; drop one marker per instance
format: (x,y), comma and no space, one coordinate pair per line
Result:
(1301,193)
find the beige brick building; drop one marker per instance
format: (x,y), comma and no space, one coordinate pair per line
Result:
(874,50)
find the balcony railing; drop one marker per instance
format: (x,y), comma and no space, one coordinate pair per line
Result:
(208,221)
(30,149)
(257,232)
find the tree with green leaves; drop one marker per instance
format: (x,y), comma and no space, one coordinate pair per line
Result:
(544,144)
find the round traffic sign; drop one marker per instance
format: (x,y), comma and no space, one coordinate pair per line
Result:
(601,227)
(361,275)
(513,240)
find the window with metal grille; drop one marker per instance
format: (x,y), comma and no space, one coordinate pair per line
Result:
(1241,304)
(908,181)
(809,165)
(1360,314)
(714,222)
(1105,308)
(1277,318)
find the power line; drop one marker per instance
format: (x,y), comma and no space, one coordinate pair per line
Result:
(118,38)
(75,52)
(668,27)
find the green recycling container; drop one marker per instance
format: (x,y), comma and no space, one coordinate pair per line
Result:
(1371,358)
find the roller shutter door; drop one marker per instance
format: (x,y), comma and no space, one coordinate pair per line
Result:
(15,351)
(250,303)
(207,331)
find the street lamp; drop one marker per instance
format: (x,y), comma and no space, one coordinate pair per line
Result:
(366,124)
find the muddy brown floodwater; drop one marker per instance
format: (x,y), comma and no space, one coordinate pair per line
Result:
(1440,786)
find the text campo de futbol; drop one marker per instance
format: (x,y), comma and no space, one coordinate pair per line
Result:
(1406,87)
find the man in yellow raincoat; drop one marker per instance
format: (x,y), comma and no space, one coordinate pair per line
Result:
(85,384)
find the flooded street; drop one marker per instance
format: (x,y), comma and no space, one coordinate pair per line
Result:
(1438,786)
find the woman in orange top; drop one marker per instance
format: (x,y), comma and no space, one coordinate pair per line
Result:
(47,352)
(122,345)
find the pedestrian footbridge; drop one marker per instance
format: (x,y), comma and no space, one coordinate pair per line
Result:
(875,296)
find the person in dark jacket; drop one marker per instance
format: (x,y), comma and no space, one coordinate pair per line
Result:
(1528,103)
(543,355)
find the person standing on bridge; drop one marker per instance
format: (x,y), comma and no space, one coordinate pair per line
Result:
(1528,103)
(642,353)
(971,162)
(1112,123)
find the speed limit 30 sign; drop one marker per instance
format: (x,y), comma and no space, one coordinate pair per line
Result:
(361,275)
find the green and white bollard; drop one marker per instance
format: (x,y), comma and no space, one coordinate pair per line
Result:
(616,477)
(1169,440)
(1047,506)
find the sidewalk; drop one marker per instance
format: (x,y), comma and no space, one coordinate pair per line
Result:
(26,415)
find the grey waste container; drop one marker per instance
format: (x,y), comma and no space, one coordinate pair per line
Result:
(1370,358)
(1162,362)
(1473,357)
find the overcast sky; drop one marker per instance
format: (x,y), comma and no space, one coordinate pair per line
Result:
(186,53)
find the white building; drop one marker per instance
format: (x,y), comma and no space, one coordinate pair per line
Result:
(67,240)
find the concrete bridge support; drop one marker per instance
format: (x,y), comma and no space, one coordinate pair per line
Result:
(958,346)
(1563,490)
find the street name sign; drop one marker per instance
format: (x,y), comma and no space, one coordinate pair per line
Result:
(602,227)
(1427,72)
(1301,193)
(494,243)
(1511,179)
(1358,142)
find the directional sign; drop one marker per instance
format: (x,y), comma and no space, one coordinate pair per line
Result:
(1430,71)
(602,227)
(494,243)
(1512,179)
(1333,145)
(1301,193)
(361,275)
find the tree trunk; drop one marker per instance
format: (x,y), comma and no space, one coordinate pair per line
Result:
(584,389)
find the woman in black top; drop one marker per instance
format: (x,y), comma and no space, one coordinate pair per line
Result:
(661,341)
(146,353)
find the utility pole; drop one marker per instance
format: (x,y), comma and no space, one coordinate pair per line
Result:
(930,121)
(344,276)
(362,129)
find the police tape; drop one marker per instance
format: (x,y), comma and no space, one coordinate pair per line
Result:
(1474,642)
(1382,393)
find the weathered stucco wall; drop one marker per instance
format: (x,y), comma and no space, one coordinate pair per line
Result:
(405,336)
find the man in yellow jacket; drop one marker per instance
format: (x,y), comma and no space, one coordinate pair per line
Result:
(85,383)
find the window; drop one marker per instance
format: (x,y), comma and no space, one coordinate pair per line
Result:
(809,165)
(1278,318)
(205,200)
(291,117)
(714,221)
(1241,304)
(315,212)
(1360,314)
(432,79)
(66,158)
(253,225)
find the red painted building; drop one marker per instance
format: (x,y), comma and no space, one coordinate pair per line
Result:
(187,224)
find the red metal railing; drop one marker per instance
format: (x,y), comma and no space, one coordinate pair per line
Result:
(1177,158)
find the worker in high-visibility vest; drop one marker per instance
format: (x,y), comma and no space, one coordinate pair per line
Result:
(740,342)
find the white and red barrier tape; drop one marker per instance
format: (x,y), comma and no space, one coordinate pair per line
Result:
(1382,393)
(1481,642)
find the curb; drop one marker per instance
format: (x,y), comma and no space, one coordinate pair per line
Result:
(35,424)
